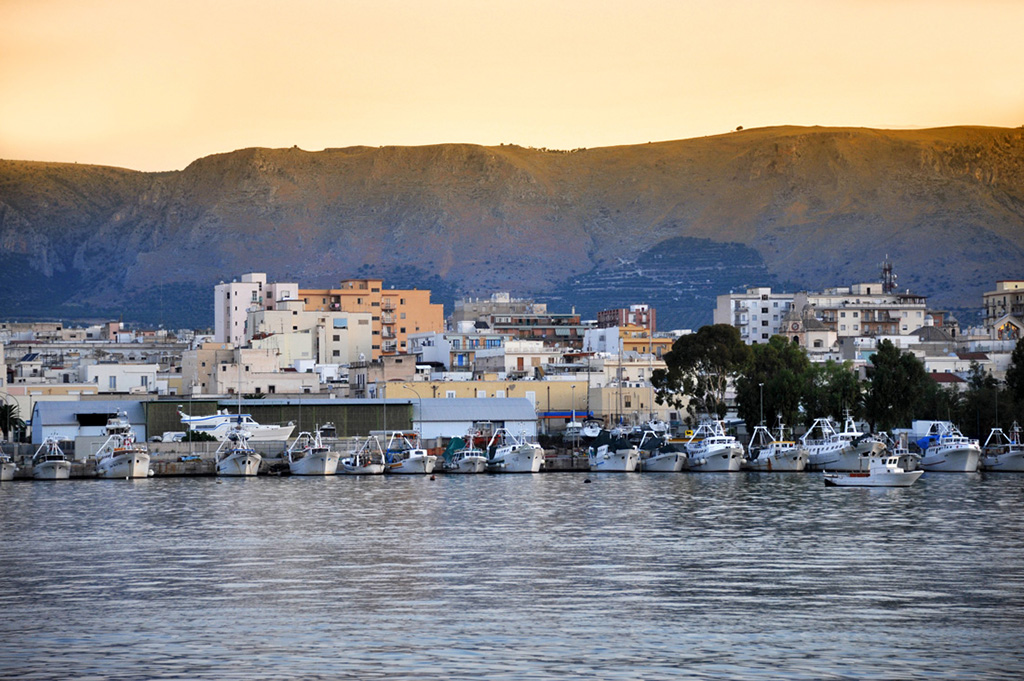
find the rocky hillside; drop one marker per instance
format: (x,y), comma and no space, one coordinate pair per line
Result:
(670,223)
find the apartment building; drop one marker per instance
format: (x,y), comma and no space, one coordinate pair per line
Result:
(394,313)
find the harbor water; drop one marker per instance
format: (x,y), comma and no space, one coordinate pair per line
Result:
(649,576)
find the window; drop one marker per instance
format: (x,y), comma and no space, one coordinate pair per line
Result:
(842,327)
(501,393)
(336,337)
(842,314)
(856,314)
(271,389)
(401,316)
(856,327)
(481,393)
(450,394)
(764,322)
(627,401)
(764,335)
(401,329)
(818,344)
(764,310)
(336,353)
(112,382)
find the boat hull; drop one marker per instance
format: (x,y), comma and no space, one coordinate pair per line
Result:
(718,461)
(414,465)
(951,460)
(52,470)
(240,465)
(788,462)
(315,464)
(128,465)
(523,459)
(366,469)
(875,479)
(7,470)
(469,464)
(615,461)
(670,462)
(1006,462)
(846,458)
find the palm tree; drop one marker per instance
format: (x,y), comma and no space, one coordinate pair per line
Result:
(10,419)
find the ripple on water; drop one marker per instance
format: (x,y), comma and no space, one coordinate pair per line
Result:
(513,577)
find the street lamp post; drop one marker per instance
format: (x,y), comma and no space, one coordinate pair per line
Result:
(419,400)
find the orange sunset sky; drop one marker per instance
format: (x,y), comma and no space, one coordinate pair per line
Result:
(154,84)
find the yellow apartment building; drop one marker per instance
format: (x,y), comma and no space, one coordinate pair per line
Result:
(395,313)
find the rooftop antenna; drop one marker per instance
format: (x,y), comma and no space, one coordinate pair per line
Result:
(888,277)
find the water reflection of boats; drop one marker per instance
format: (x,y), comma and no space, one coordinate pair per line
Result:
(50,462)
(876,471)
(308,455)
(367,458)
(121,456)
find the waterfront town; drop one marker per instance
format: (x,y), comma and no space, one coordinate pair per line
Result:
(366,358)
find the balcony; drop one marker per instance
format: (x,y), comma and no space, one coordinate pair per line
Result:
(388,318)
(387,303)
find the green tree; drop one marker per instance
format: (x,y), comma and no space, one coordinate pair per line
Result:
(831,389)
(776,370)
(10,419)
(978,412)
(1015,374)
(897,386)
(699,366)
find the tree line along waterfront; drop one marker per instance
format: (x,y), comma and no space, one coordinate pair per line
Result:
(712,371)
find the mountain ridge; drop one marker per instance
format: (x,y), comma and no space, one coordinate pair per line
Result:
(817,206)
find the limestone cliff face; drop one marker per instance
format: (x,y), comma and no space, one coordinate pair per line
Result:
(813,206)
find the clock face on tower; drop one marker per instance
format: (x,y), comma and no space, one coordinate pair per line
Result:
(795,326)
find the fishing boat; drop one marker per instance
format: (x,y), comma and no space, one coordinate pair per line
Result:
(1002,452)
(611,454)
(658,455)
(591,428)
(7,467)
(50,462)
(220,424)
(367,458)
(403,457)
(463,456)
(507,453)
(835,450)
(947,450)
(308,455)
(121,455)
(774,453)
(876,471)
(710,450)
(235,457)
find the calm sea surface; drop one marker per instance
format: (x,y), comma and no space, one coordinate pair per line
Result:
(512,577)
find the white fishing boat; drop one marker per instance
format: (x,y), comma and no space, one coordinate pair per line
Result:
(403,457)
(838,451)
(220,424)
(463,456)
(710,450)
(875,471)
(235,457)
(510,454)
(367,458)
(308,455)
(49,462)
(659,456)
(774,454)
(658,426)
(1002,452)
(121,455)
(610,454)
(7,467)
(947,450)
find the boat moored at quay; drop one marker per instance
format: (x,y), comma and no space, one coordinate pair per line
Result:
(50,462)
(122,456)
(510,454)
(946,450)
(308,455)
(1002,452)
(235,458)
(612,454)
(710,450)
(833,450)
(219,425)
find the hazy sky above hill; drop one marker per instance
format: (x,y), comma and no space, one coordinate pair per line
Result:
(155,84)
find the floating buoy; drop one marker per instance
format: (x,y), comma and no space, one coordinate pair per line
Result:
(433,477)
(586,480)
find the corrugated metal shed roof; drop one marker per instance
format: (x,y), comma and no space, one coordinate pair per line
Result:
(475,409)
